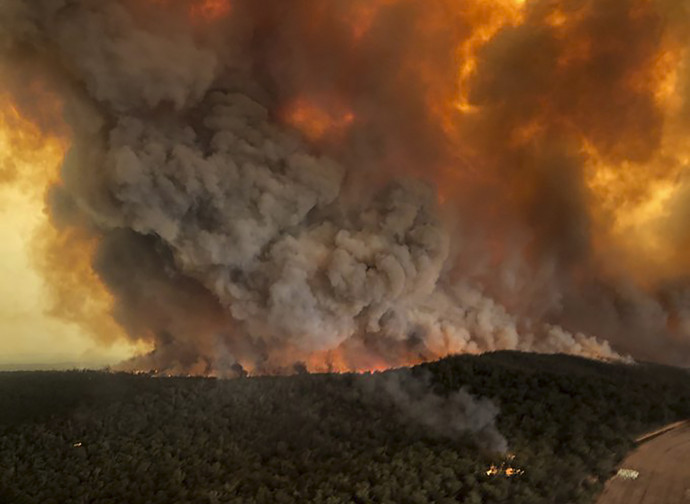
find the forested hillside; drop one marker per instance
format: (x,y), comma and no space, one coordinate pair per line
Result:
(109,438)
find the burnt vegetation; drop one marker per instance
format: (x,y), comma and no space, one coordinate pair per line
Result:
(95,437)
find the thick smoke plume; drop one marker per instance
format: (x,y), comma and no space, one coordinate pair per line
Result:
(453,416)
(363,184)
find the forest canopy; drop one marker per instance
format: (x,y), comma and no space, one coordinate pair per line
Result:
(98,437)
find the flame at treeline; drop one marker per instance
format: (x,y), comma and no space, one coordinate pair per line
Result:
(272,186)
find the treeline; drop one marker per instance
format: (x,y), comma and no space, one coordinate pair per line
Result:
(569,420)
(90,437)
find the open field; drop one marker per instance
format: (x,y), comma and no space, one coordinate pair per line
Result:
(663,464)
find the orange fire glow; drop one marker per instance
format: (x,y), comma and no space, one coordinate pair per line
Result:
(210,10)
(487,19)
(361,15)
(317,123)
(203,11)
(340,360)
(629,198)
(23,143)
(30,160)
(491,102)
(633,198)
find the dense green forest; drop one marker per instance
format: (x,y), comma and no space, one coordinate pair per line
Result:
(406,436)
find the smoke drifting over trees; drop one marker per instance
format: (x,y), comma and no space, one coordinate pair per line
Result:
(104,437)
(451,416)
(358,185)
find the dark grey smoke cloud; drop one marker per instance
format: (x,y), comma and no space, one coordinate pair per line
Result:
(227,237)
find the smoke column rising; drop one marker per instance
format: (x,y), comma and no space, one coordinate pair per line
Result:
(365,184)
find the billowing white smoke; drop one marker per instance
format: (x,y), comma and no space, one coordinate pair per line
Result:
(225,236)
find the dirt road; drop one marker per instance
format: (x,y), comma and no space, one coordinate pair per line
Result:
(663,464)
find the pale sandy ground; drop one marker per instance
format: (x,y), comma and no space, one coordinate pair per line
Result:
(664,467)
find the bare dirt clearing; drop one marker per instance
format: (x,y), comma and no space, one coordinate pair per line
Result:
(663,464)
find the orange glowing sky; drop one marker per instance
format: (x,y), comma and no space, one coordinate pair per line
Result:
(52,312)
(29,334)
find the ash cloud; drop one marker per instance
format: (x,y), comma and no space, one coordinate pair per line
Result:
(228,238)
